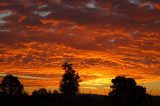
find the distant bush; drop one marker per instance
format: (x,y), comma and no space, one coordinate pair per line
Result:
(55,92)
(40,92)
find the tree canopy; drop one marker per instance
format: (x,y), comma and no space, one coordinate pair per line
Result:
(11,85)
(126,90)
(69,84)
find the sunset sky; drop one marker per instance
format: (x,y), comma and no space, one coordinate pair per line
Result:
(102,38)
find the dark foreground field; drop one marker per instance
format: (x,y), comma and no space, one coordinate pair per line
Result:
(80,100)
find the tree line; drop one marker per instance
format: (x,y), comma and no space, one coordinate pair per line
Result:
(122,88)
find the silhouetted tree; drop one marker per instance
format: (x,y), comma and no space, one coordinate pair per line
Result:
(10,85)
(70,81)
(126,90)
(55,92)
(40,92)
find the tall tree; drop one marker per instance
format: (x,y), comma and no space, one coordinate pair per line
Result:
(69,84)
(11,85)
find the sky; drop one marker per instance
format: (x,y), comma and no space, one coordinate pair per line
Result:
(102,38)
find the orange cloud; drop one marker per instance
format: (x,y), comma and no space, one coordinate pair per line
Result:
(4,4)
(37,28)
(22,18)
(157,5)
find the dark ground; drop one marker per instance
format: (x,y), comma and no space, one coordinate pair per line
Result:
(80,100)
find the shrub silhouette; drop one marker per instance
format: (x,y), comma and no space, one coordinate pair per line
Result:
(55,92)
(70,81)
(126,90)
(10,85)
(40,92)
